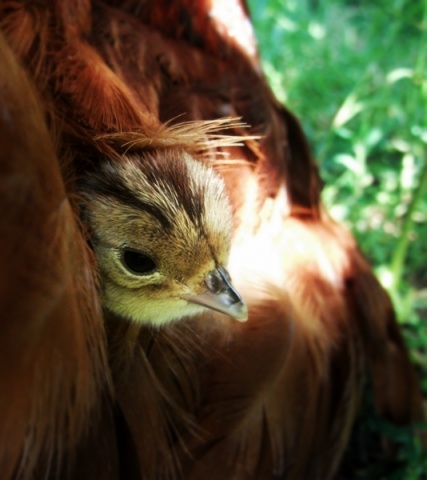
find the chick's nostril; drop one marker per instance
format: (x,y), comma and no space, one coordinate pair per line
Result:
(214,282)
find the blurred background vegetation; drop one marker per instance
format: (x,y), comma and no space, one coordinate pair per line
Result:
(355,73)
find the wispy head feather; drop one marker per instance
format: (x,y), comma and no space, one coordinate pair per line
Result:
(197,137)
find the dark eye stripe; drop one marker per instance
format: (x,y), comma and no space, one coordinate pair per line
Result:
(114,187)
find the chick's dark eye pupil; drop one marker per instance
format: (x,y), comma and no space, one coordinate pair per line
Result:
(137,262)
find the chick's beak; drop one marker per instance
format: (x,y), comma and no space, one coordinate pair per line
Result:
(221,296)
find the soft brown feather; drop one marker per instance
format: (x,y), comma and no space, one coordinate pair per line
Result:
(208,398)
(52,354)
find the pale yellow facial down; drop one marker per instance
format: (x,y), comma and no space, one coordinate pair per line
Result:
(185,243)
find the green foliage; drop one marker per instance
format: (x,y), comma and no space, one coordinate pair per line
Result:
(355,73)
(367,459)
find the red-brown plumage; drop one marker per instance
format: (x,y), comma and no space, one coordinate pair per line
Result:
(206,398)
(53,362)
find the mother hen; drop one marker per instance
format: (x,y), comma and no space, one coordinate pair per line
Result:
(89,394)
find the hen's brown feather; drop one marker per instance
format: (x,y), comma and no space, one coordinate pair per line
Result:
(53,361)
(209,398)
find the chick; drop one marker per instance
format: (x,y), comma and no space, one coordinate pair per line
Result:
(160,225)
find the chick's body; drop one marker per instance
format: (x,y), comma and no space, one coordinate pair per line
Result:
(160,223)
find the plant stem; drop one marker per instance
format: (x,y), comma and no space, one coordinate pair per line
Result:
(400,252)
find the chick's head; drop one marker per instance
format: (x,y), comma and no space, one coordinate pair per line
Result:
(160,225)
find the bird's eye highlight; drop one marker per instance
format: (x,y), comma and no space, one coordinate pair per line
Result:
(137,262)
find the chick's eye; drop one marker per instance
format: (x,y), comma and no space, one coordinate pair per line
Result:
(137,262)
